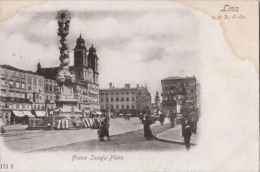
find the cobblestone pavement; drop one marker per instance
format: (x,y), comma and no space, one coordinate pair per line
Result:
(19,139)
(130,141)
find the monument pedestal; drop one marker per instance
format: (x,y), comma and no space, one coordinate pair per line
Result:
(67,108)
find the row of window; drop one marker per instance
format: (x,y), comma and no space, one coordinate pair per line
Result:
(12,84)
(34,81)
(117,93)
(120,107)
(16,106)
(12,93)
(165,98)
(116,99)
(12,73)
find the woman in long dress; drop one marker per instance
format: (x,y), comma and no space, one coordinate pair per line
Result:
(147,130)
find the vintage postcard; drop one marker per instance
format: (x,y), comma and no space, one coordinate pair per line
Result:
(129,85)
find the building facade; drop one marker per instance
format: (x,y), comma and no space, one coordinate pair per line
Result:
(125,100)
(85,69)
(23,90)
(175,87)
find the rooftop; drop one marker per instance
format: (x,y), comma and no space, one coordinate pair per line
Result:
(16,69)
(178,77)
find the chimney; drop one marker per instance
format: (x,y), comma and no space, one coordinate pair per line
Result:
(110,85)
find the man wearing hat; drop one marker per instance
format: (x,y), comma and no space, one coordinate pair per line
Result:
(186,130)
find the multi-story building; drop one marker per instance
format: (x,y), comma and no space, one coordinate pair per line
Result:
(125,100)
(172,87)
(86,73)
(23,91)
(50,93)
(13,91)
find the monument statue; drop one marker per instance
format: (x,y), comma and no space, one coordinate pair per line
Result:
(66,80)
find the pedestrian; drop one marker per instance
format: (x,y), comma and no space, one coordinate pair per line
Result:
(186,132)
(172,119)
(162,118)
(147,130)
(104,130)
(194,121)
(141,118)
(2,129)
(100,131)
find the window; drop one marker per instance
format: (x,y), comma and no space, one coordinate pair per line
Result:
(133,99)
(133,106)
(11,83)
(40,82)
(34,81)
(23,85)
(3,92)
(29,80)
(17,106)
(29,87)
(127,107)
(117,106)
(17,84)
(127,99)
(23,95)
(122,99)
(107,99)
(122,107)
(191,91)
(117,99)
(101,99)
(112,99)
(51,89)
(127,93)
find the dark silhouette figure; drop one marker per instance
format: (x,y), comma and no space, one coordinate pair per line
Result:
(162,118)
(103,130)
(2,129)
(186,132)
(147,130)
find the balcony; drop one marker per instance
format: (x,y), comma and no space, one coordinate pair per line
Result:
(14,99)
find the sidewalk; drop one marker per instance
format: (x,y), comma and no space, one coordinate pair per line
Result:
(174,135)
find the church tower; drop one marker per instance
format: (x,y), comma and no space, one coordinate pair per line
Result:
(80,59)
(80,53)
(93,63)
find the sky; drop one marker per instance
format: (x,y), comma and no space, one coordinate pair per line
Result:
(137,46)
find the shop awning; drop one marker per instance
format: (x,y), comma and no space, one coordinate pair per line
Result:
(28,113)
(18,113)
(40,113)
